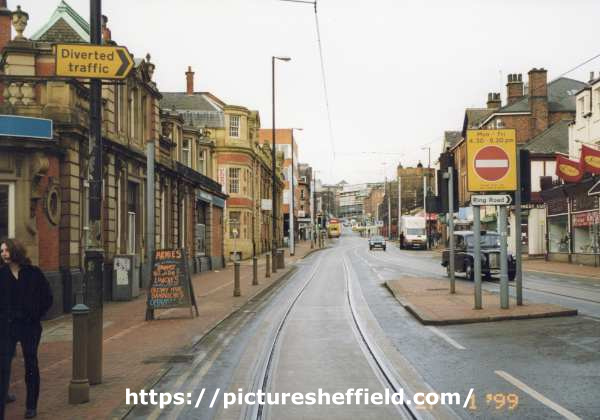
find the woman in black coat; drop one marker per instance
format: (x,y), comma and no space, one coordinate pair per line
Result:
(29,298)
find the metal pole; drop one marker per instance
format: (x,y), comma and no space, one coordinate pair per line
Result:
(150,200)
(503,259)
(255,271)
(94,253)
(399,209)
(292,244)
(517,230)
(389,211)
(425,210)
(477,254)
(268,271)
(236,279)
(451,225)
(273,166)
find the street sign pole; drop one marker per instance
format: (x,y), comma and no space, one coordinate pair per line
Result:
(517,230)
(477,254)
(503,257)
(94,253)
(451,225)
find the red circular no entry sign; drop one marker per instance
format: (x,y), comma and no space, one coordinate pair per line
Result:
(491,163)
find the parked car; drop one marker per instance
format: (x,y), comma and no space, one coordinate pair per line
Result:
(490,255)
(377,242)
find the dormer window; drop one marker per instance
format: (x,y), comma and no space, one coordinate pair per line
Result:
(234,126)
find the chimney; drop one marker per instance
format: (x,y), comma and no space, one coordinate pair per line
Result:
(106,34)
(494,101)
(190,81)
(5,25)
(591,76)
(514,88)
(538,100)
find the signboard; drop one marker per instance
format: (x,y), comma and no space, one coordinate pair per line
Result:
(16,126)
(89,61)
(171,285)
(491,160)
(491,200)
(586,219)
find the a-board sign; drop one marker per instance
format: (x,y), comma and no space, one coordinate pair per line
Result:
(170,285)
(491,160)
(92,61)
(491,200)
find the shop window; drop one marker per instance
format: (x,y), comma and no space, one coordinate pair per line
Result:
(586,232)
(558,233)
(163,218)
(7,210)
(182,226)
(132,212)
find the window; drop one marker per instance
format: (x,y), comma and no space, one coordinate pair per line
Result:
(132,206)
(234,224)
(118,106)
(597,98)
(182,224)
(558,233)
(202,161)
(7,210)
(301,194)
(234,180)
(131,112)
(163,218)
(581,105)
(185,152)
(234,126)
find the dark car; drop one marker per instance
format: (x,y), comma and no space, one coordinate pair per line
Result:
(490,255)
(376,242)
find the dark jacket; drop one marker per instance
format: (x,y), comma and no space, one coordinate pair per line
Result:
(38,295)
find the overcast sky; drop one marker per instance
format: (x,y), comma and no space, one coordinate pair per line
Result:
(398,72)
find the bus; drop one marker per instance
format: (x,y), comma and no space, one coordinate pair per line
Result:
(334,228)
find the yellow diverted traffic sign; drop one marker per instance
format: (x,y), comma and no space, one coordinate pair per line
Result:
(89,61)
(491,160)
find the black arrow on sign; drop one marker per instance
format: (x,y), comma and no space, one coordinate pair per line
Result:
(125,60)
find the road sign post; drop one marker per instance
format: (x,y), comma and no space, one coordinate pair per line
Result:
(518,233)
(451,225)
(477,252)
(503,257)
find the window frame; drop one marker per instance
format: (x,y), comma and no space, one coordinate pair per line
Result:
(234,128)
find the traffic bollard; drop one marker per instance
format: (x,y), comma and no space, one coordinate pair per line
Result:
(274,260)
(79,387)
(236,279)
(268,273)
(255,271)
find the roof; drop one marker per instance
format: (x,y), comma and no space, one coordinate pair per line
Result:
(555,139)
(473,117)
(57,27)
(561,97)
(200,109)
(451,138)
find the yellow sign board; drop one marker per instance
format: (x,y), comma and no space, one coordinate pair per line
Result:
(89,61)
(491,160)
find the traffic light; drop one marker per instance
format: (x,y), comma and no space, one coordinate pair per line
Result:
(525,175)
(443,190)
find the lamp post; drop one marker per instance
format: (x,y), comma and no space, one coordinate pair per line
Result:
(273,159)
(292,230)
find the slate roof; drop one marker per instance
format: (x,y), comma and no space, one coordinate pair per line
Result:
(555,139)
(198,110)
(451,138)
(561,97)
(65,25)
(473,117)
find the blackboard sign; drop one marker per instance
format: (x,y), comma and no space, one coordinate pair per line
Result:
(171,285)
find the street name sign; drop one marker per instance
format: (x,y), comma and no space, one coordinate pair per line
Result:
(491,160)
(18,126)
(89,61)
(491,200)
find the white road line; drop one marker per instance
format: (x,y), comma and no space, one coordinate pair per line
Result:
(533,393)
(591,318)
(452,342)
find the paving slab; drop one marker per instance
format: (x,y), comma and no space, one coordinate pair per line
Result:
(430,302)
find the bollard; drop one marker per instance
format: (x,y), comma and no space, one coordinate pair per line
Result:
(268,272)
(79,387)
(254,271)
(280,262)
(274,260)
(236,279)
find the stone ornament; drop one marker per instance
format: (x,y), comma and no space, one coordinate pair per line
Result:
(19,21)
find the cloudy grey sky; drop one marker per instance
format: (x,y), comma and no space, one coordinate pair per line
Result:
(399,72)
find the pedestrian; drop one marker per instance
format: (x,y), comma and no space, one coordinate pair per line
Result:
(4,360)
(401,240)
(29,298)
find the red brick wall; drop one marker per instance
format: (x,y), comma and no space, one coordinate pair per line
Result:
(5,37)
(559,116)
(48,233)
(234,158)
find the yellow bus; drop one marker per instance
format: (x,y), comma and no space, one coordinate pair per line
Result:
(334,228)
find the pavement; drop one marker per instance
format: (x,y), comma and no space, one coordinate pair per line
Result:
(585,272)
(135,351)
(430,302)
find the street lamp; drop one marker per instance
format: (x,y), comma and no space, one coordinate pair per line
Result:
(292,242)
(273,160)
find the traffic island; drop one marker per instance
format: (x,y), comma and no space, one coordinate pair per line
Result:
(430,302)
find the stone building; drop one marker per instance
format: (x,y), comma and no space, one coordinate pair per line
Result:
(242,165)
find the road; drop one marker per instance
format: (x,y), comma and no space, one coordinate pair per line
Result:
(333,326)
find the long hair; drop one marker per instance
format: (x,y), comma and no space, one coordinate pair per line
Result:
(18,253)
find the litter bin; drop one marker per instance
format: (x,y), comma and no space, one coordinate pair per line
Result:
(126,277)
(280,258)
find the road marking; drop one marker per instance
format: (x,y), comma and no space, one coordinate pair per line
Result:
(452,342)
(533,393)
(591,318)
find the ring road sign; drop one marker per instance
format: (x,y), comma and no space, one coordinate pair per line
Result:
(89,61)
(491,200)
(491,160)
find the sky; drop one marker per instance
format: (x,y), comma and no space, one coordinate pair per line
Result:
(398,73)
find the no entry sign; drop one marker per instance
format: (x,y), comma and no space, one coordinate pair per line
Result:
(491,160)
